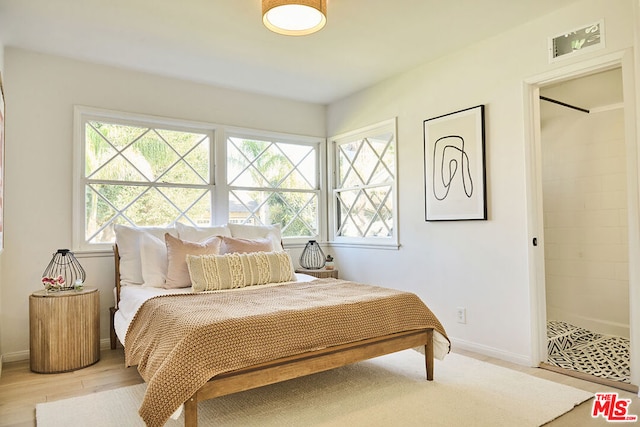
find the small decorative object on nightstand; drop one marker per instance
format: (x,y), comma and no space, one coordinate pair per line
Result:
(64,329)
(312,257)
(63,273)
(328,264)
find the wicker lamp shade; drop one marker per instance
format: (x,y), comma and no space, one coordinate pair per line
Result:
(312,257)
(64,272)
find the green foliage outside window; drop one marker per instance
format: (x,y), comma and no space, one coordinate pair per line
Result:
(145,177)
(273,183)
(150,176)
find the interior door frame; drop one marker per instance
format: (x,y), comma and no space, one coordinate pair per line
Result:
(624,60)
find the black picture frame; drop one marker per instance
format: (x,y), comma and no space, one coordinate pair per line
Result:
(454,166)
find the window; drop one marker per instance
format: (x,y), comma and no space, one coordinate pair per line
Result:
(142,173)
(364,196)
(274,181)
(145,171)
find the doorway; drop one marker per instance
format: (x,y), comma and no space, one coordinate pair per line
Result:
(586,251)
(532,86)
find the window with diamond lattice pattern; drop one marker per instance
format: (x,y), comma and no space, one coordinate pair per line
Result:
(274,182)
(144,176)
(365,184)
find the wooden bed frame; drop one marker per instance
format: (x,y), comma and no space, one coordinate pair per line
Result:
(294,366)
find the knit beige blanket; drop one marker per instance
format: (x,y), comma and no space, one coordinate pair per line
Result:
(179,342)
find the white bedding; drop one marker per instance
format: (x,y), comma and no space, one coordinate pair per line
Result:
(132,297)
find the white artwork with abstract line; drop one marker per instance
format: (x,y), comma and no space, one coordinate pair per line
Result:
(454,165)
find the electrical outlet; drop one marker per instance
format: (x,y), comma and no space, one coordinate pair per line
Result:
(461,315)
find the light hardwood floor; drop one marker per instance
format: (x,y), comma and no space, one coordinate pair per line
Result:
(21,390)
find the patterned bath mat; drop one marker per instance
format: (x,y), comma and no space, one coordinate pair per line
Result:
(578,349)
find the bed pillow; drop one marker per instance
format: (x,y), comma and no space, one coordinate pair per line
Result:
(128,241)
(233,245)
(271,232)
(198,234)
(237,270)
(153,260)
(177,251)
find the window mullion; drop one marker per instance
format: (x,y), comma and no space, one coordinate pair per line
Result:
(351,167)
(298,169)
(377,207)
(384,164)
(121,153)
(367,187)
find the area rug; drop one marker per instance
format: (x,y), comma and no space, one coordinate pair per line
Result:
(386,391)
(582,350)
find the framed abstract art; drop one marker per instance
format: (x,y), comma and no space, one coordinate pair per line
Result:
(454,166)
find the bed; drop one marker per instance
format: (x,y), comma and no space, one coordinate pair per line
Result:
(223,341)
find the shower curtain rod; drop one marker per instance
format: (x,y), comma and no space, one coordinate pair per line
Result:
(544,98)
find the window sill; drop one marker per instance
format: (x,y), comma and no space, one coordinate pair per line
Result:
(366,245)
(93,253)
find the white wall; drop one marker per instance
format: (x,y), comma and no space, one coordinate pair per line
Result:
(479,265)
(41,91)
(585,218)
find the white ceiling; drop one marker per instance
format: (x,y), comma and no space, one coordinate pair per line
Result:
(223,42)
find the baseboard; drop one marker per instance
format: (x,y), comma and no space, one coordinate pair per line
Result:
(593,324)
(16,356)
(507,356)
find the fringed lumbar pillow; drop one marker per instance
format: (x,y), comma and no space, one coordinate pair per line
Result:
(237,270)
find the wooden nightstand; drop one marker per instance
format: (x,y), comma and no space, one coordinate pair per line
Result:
(64,330)
(321,273)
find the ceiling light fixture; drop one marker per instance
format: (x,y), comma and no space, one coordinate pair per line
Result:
(294,17)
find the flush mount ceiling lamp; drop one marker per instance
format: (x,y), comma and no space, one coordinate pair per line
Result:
(294,17)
